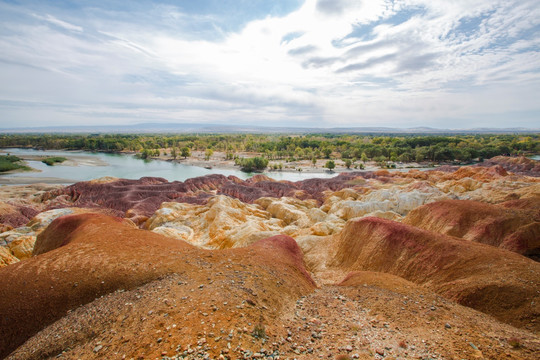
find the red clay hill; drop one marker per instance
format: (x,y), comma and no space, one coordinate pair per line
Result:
(81,258)
(99,288)
(504,226)
(495,281)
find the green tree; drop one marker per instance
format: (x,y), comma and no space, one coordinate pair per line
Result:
(327,152)
(208,153)
(330,165)
(251,164)
(364,157)
(381,160)
(260,163)
(420,155)
(145,154)
(298,153)
(185,152)
(348,163)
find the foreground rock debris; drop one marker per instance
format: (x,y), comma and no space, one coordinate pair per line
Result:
(439,264)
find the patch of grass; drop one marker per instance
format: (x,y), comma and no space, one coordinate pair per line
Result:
(259,332)
(53,160)
(11,162)
(514,342)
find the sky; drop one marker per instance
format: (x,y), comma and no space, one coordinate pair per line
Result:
(315,63)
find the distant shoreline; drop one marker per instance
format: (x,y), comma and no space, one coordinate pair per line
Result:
(217,161)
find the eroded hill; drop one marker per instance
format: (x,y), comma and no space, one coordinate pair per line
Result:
(369,265)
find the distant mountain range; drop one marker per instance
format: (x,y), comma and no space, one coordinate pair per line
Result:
(218,128)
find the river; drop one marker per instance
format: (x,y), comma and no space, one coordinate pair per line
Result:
(129,167)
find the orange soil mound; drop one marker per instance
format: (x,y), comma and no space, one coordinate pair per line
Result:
(381,280)
(84,257)
(511,229)
(495,281)
(532,204)
(369,313)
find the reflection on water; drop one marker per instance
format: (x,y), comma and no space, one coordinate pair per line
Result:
(129,167)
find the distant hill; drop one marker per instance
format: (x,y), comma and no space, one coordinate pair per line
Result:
(219,128)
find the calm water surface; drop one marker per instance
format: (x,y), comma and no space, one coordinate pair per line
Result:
(129,167)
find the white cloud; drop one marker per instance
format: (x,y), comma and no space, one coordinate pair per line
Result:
(402,62)
(63,24)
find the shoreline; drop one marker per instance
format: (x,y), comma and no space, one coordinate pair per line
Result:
(73,160)
(217,161)
(29,180)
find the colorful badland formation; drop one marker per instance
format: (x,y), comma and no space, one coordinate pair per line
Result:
(430,264)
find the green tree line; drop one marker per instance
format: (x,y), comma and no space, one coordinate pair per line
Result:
(404,148)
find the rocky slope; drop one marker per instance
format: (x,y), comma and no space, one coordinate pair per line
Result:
(497,282)
(368,316)
(80,258)
(367,265)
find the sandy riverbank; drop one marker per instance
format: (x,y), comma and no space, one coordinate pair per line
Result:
(72,160)
(219,161)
